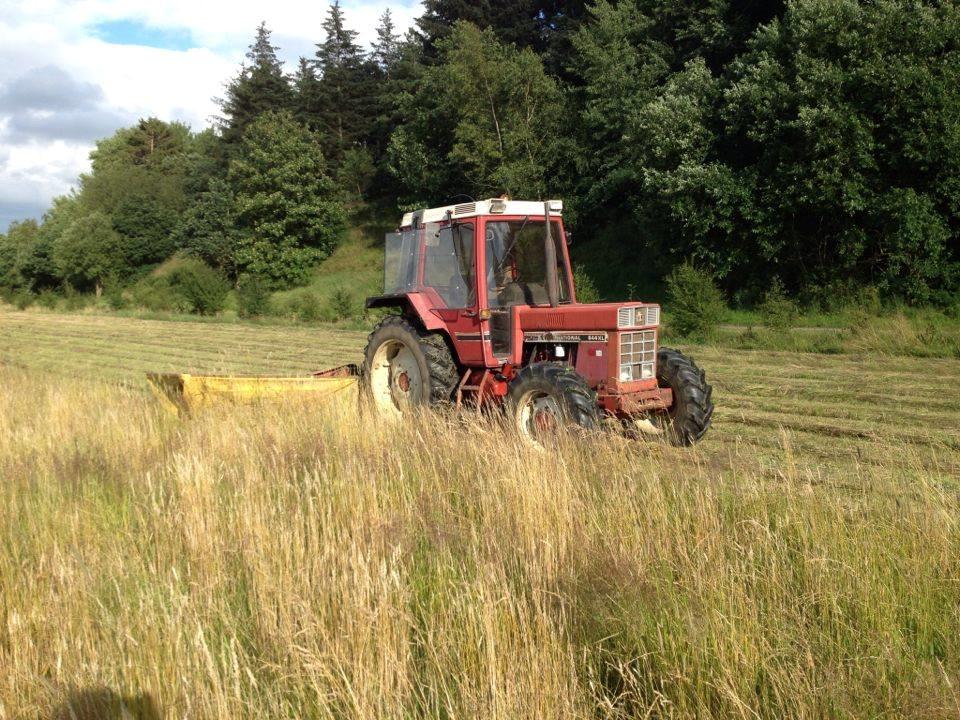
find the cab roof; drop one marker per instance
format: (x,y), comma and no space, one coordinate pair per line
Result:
(491,206)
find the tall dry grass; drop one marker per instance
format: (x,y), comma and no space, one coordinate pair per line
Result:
(309,562)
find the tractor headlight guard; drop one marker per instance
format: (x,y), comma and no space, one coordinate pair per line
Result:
(638,351)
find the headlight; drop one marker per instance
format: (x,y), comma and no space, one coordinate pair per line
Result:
(639,371)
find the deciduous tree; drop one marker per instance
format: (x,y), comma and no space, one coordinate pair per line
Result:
(90,252)
(287,207)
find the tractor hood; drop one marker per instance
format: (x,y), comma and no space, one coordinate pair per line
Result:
(599,316)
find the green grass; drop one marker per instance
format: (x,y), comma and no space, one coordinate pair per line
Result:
(916,333)
(355,267)
(123,349)
(806,318)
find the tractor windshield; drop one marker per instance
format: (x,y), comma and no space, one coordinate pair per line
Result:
(517,266)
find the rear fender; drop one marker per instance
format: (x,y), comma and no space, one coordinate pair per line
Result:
(414,304)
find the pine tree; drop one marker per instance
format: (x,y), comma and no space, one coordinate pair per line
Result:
(542,25)
(386,49)
(344,113)
(260,86)
(152,139)
(306,90)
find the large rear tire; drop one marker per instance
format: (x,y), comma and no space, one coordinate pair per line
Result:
(688,418)
(405,367)
(545,397)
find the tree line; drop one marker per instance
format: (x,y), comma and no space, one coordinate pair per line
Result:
(811,144)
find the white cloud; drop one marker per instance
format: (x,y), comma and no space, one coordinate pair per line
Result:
(43,149)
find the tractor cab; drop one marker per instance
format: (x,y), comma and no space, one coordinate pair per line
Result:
(487,300)
(470,264)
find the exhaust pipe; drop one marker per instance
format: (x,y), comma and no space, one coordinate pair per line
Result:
(550,252)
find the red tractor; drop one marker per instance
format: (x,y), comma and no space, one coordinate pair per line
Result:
(488,315)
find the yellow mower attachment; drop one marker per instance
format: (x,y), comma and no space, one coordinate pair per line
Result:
(183,393)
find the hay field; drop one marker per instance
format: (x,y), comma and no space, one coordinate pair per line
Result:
(306,561)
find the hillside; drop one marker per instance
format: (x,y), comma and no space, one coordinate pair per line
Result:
(354,269)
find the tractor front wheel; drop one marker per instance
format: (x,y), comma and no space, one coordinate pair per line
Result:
(404,367)
(688,418)
(545,397)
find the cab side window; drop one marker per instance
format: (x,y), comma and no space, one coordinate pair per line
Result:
(449,265)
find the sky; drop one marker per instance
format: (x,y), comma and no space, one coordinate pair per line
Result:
(74,71)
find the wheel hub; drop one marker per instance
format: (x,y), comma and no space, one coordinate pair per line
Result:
(539,416)
(395,377)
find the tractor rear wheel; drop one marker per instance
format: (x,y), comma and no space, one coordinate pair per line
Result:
(405,367)
(689,417)
(545,397)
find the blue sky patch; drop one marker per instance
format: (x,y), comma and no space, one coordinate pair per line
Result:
(134,32)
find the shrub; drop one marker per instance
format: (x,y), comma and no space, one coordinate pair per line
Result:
(777,311)
(22,299)
(341,303)
(953,310)
(586,289)
(157,295)
(696,303)
(253,296)
(76,301)
(115,298)
(307,307)
(204,288)
(841,296)
(48,299)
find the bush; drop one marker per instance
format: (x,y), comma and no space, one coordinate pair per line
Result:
(114,297)
(583,284)
(22,299)
(840,296)
(253,297)
(696,304)
(157,295)
(203,287)
(48,299)
(953,310)
(341,303)
(307,307)
(777,311)
(76,301)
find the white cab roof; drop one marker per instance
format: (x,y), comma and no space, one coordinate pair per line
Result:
(492,206)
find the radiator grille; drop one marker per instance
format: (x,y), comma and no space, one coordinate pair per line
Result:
(638,353)
(639,316)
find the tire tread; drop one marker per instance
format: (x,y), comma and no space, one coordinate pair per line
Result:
(691,390)
(440,361)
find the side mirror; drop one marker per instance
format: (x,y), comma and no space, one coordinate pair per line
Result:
(569,237)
